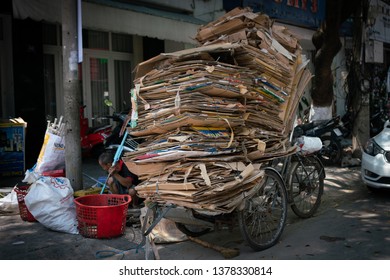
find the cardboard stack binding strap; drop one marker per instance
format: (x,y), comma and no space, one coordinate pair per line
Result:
(212,115)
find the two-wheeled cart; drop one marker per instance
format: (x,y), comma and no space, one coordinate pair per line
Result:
(296,180)
(261,215)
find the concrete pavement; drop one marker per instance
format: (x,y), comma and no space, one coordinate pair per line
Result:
(352,223)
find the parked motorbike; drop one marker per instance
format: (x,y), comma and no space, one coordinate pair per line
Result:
(92,138)
(333,136)
(377,121)
(113,141)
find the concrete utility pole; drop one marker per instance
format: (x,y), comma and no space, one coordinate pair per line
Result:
(71,94)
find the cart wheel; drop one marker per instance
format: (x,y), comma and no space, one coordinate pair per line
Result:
(306,186)
(192,230)
(263,219)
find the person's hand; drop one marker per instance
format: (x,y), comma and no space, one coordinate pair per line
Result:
(112,170)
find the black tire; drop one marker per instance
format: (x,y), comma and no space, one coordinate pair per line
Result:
(331,152)
(305,186)
(263,219)
(192,230)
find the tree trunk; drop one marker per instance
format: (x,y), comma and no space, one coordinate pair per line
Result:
(327,43)
(360,101)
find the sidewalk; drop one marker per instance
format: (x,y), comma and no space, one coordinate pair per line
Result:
(351,223)
(22,240)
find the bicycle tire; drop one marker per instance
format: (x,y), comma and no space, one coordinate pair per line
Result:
(264,216)
(306,185)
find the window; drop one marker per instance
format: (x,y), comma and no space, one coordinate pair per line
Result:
(123,84)
(96,40)
(106,68)
(122,43)
(98,85)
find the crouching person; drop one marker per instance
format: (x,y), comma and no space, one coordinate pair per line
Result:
(122,180)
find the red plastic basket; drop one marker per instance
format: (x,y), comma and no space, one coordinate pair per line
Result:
(102,215)
(21,192)
(55,173)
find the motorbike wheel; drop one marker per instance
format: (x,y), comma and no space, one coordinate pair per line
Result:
(331,152)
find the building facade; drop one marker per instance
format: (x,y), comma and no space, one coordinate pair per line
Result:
(117,35)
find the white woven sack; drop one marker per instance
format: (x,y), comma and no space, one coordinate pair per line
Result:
(50,200)
(52,154)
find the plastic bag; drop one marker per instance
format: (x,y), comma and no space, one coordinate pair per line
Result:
(52,154)
(308,144)
(50,200)
(30,176)
(9,203)
(165,230)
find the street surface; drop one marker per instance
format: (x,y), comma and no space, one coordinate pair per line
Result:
(353,223)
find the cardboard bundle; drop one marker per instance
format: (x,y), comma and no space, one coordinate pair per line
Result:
(212,114)
(209,186)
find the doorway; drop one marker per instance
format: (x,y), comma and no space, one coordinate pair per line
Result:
(106,69)
(105,75)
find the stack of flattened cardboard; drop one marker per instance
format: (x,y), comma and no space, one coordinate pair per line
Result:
(211,115)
